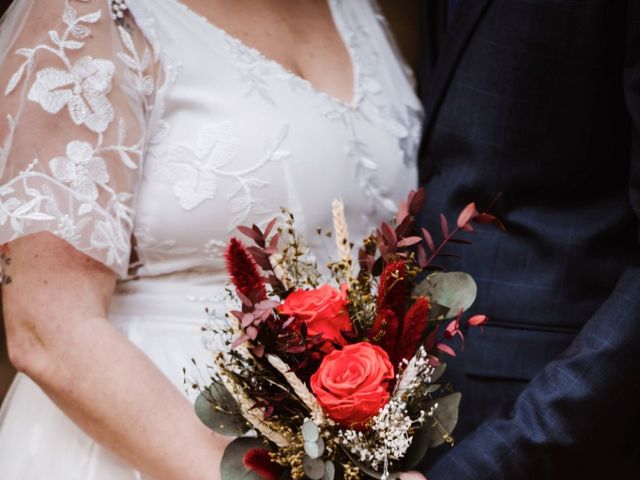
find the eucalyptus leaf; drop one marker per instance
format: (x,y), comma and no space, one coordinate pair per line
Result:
(230,423)
(418,448)
(454,291)
(219,395)
(314,449)
(310,431)
(330,470)
(447,416)
(314,468)
(430,435)
(233,467)
(438,372)
(433,388)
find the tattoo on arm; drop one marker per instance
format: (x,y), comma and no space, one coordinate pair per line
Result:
(5,261)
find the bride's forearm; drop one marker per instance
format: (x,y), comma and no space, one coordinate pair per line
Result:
(111,390)
(55,304)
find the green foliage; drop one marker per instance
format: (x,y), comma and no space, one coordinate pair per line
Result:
(217,409)
(448,292)
(233,467)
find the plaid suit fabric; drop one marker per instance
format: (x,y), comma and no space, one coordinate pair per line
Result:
(543,106)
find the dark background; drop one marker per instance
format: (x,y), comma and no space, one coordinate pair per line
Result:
(403,17)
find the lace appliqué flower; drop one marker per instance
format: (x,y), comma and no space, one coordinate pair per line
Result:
(81,169)
(195,171)
(89,81)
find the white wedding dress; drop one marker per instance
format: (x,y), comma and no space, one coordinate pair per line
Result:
(144,140)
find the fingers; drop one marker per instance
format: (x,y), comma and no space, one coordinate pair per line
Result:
(412,476)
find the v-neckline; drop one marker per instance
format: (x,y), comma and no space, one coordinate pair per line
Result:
(340,28)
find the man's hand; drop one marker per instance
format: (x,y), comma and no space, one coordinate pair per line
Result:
(412,476)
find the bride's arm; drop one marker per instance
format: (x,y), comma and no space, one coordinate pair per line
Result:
(55,309)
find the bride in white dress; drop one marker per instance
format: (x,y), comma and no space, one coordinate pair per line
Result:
(135,136)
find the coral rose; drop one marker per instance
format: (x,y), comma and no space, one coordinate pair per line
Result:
(323,310)
(352,384)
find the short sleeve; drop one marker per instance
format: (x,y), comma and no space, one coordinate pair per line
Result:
(77,84)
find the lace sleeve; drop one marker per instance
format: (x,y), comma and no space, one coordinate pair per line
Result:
(77,84)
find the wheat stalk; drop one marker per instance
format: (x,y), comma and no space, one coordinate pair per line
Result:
(299,388)
(253,414)
(416,368)
(341,231)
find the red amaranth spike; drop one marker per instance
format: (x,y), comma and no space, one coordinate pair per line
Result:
(413,329)
(244,272)
(392,296)
(259,460)
(392,292)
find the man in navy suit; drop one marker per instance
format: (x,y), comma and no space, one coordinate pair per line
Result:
(539,100)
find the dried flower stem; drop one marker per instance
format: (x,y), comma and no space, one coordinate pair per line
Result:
(254,415)
(299,388)
(341,231)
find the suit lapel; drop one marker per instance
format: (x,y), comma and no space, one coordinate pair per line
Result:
(456,39)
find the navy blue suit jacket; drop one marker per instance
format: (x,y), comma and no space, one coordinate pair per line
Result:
(540,100)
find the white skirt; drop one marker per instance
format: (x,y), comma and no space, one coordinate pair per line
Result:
(164,318)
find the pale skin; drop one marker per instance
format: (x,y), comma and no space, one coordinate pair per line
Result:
(56,302)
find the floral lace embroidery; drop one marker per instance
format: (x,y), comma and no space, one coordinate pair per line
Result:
(151,249)
(195,171)
(82,87)
(214,249)
(81,168)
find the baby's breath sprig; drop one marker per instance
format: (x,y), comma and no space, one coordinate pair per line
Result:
(294,265)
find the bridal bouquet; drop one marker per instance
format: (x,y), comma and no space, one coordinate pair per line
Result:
(336,376)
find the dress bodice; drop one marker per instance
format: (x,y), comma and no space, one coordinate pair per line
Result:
(165,133)
(240,136)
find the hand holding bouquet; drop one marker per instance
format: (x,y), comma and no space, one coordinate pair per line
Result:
(337,376)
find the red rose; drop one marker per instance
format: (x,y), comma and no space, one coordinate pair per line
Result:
(352,384)
(324,310)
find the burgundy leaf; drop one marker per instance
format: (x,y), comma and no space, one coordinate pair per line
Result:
(273,243)
(467,214)
(452,329)
(260,257)
(270,226)
(486,218)
(252,332)
(461,241)
(247,319)
(422,257)
(259,234)
(446,349)
(297,349)
(416,201)
(389,234)
(444,225)
(239,341)
(258,350)
(409,241)
(478,320)
(250,232)
(244,299)
(404,227)
(449,255)
(403,212)
(430,342)
(429,239)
